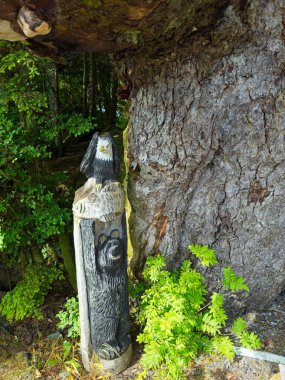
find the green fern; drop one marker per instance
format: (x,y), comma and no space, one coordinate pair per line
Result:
(216,308)
(224,346)
(153,269)
(210,325)
(178,323)
(206,255)
(250,340)
(26,299)
(239,327)
(233,282)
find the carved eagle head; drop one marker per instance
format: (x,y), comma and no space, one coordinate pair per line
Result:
(102,148)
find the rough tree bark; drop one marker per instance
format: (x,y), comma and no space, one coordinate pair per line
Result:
(206,136)
(206,149)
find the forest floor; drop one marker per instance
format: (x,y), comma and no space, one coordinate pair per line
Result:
(31,350)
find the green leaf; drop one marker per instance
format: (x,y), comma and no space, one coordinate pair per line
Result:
(216,308)
(233,282)
(224,346)
(206,255)
(66,345)
(250,340)
(210,325)
(239,326)
(153,268)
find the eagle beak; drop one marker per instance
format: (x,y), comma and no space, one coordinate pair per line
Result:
(102,149)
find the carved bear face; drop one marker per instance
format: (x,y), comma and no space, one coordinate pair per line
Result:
(110,253)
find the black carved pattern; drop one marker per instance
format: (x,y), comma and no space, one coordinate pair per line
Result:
(103,170)
(99,169)
(107,290)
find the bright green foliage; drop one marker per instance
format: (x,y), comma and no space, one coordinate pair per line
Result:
(224,346)
(250,340)
(233,282)
(178,322)
(153,271)
(215,318)
(247,339)
(204,253)
(26,298)
(34,209)
(239,326)
(69,318)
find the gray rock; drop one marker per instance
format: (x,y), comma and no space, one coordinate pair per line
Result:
(64,375)
(56,335)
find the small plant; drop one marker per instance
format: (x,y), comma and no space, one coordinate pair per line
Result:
(179,323)
(69,318)
(64,356)
(28,296)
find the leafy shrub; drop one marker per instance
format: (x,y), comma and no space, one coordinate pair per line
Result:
(69,318)
(28,295)
(178,323)
(33,209)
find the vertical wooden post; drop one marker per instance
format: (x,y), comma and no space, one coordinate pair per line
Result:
(100,238)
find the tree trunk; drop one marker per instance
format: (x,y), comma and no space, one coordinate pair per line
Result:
(206,149)
(67,252)
(54,103)
(84,85)
(93,85)
(113,102)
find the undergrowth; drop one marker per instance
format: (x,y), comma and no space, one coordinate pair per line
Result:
(181,319)
(69,318)
(26,299)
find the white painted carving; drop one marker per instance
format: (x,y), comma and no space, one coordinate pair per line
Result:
(31,24)
(105,204)
(7,33)
(104,149)
(82,298)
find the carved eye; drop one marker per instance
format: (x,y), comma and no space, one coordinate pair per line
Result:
(115,234)
(102,239)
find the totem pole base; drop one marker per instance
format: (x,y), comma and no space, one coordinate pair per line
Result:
(119,364)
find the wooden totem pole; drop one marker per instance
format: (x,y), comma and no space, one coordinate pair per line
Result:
(100,238)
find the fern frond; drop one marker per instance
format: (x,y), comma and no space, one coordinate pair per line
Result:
(250,340)
(210,325)
(223,345)
(206,255)
(233,282)
(216,308)
(153,268)
(239,326)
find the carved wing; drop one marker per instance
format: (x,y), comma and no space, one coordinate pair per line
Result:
(86,164)
(116,156)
